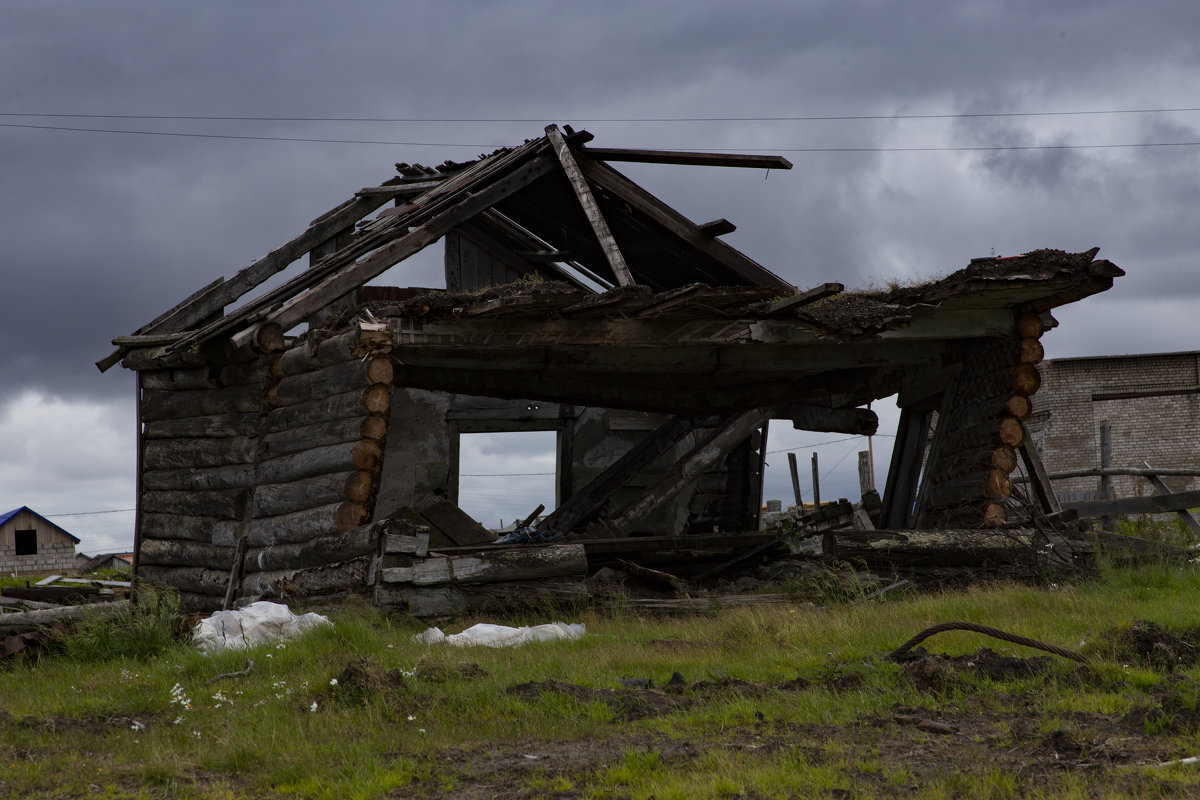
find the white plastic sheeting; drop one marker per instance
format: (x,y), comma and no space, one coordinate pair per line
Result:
(488,635)
(257,623)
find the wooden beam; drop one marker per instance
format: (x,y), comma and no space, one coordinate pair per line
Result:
(590,209)
(781,307)
(905,468)
(1160,487)
(861,421)
(638,198)
(1042,489)
(717,227)
(733,431)
(689,158)
(1154,504)
(597,492)
(350,277)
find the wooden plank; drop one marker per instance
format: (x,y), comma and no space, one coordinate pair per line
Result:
(612,253)
(691,158)
(638,198)
(734,430)
(235,574)
(717,227)
(795,471)
(526,563)
(49,579)
(451,520)
(808,296)
(1042,488)
(349,277)
(398,543)
(1154,504)
(1160,487)
(90,582)
(905,468)
(579,506)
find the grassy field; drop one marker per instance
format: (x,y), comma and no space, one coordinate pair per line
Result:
(770,702)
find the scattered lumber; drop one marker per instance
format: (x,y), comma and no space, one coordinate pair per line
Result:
(11,624)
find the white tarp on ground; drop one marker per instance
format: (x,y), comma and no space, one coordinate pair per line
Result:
(487,635)
(257,623)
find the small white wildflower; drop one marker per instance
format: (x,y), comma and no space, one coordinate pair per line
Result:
(313,707)
(196,734)
(333,681)
(420,730)
(177,720)
(137,726)
(389,645)
(279,646)
(411,717)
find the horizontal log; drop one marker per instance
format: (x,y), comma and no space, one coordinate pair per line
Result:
(223,503)
(374,427)
(308,386)
(450,599)
(23,621)
(1032,351)
(359,487)
(149,358)
(181,553)
(216,426)
(1026,380)
(195,580)
(234,477)
(1011,432)
(994,515)
(350,515)
(252,373)
(162,404)
(1019,407)
(346,576)
(327,353)
(177,526)
(378,399)
(491,566)
(860,421)
(299,526)
(1152,504)
(339,458)
(331,549)
(407,544)
(345,405)
(1030,326)
(273,499)
(195,453)
(316,434)
(1140,472)
(998,488)
(963,547)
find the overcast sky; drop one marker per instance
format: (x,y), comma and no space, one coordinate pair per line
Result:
(100,232)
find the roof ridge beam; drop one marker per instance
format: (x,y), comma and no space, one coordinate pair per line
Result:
(688,157)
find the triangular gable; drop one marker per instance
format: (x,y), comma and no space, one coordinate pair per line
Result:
(552,196)
(6,517)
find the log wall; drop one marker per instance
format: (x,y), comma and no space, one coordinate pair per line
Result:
(284,451)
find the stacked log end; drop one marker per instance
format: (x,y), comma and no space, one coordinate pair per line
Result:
(285,452)
(1010,434)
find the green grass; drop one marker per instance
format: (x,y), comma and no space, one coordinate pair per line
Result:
(126,709)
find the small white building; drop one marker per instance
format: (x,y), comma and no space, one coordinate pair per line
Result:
(31,544)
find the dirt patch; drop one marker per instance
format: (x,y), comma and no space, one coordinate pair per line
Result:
(626,704)
(1146,644)
(362,680)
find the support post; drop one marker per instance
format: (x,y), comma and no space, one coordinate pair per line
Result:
(866,478)
(1042,489)
(795,481)
(816,484)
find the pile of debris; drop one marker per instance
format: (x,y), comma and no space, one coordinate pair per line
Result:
(34,615)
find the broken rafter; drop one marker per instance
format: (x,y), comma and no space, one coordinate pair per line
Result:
(590,209)
(689,158)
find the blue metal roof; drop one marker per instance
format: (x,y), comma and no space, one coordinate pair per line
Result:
(4,518)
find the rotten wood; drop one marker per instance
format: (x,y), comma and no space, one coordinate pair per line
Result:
(457,526)
(655,576)
(1160,487)
(1043,490)
(859,421)
(235,577)
(527,563)
(804,298)
(1153,504)
(22,621)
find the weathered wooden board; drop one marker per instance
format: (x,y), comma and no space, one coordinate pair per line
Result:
(494,566)
(164,404)
(225,426)
(183,553)
(196,453)
(223,503)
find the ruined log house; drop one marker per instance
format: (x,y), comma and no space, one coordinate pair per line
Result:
(306,441)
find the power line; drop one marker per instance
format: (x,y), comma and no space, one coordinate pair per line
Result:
(90,513)
(631,120)
(938,149)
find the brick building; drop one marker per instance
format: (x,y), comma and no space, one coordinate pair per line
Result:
(1152,404)
(30,544)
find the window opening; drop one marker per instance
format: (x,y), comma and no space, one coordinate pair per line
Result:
(503,477)
(26,541)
